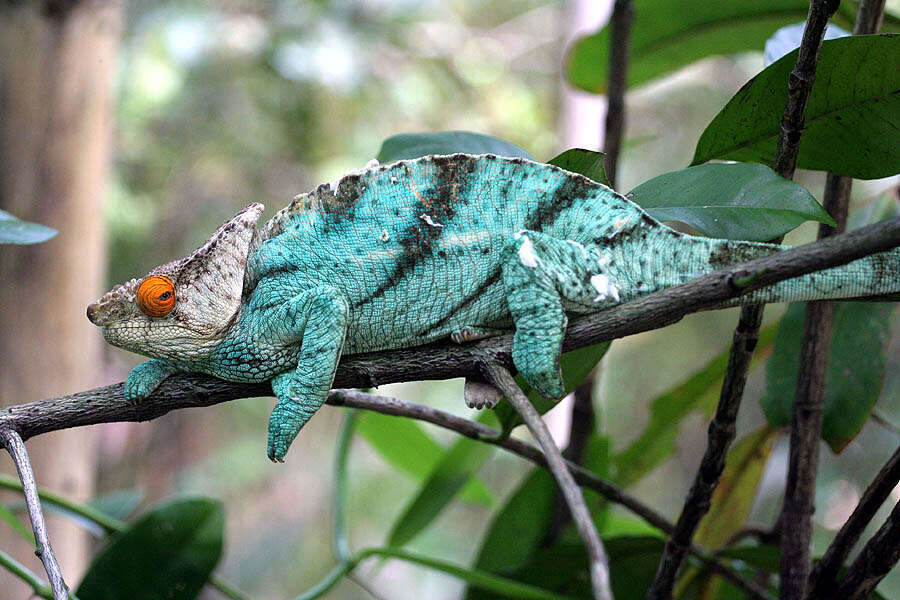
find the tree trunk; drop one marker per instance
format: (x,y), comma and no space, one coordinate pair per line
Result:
(57,62)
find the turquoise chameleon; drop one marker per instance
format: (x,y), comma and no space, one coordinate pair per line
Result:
(407,253)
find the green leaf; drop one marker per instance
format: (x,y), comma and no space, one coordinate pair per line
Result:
(404,445)
(738,201)
(667,411)
(16,525)
(15,231)
(584,162)
(851,120)
(456,467)
(852,384)
(669,35)
(168,553)
(414,145)
(563,568)
(736,490)
(519,527)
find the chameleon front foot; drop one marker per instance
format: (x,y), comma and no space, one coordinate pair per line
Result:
(145,378)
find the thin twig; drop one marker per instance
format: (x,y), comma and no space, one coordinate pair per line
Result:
(824,575)
(886,423)
(16,448)
(600,581)
(721,434)
(875,560)
(37,585)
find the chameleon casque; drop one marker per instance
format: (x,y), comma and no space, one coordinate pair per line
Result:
(403,254)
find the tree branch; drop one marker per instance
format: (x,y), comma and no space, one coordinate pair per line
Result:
(809,403)
(447,360)
(824,575)
(721,434)
(875,560)
(619,41)
(600,581)
(16,448)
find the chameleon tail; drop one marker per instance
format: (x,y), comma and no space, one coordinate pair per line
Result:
(873,275)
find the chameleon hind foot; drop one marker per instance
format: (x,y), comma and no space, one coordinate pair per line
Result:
(479,394)
(540,273)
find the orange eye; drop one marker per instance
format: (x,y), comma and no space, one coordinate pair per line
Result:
(156,296)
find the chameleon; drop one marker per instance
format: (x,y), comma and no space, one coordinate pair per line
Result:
(403,254)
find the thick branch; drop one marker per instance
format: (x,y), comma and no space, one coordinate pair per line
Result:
(16,448)
(447,360)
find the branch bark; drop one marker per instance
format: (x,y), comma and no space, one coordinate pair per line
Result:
(16,448)
(600,580)
(824,575)
(446,360)
(875,561)
(809,404)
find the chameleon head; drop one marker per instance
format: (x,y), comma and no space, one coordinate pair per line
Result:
(181,310)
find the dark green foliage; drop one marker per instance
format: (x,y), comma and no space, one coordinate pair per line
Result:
(414,145)
(586,162)
(851,119)
(168,553)
(736,201)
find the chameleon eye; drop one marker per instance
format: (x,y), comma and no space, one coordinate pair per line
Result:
(156,296)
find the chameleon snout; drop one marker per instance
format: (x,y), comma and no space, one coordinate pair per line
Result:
(93,313)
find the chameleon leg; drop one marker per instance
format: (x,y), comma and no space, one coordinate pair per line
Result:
(146,377)
(540,274)
(319,317)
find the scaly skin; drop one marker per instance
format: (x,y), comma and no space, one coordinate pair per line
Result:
(404,254)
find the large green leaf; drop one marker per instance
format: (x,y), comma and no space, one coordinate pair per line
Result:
(736,490)
(575,366)
(584,162)
(657,442)
(855,372)
(15,231)
(563,568)
(404,445)
(168,553)
(669,35)
(851,120)
(455,468)
(738,201)
(520,528)
(414,145)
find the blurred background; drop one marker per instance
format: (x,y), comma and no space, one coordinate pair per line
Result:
(135,129)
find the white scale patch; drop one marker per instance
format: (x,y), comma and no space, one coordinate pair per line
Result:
(605,287)
(526,252)
(372,164)
(427,218)
(385,236)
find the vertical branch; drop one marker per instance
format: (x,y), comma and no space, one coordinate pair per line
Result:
(721,431)
(620,32)
(600,581)
(809,403)
(16,449)
(721,434)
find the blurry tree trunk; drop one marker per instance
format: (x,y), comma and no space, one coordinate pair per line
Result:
(57,62)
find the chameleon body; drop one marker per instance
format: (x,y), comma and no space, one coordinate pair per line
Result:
(403,254)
